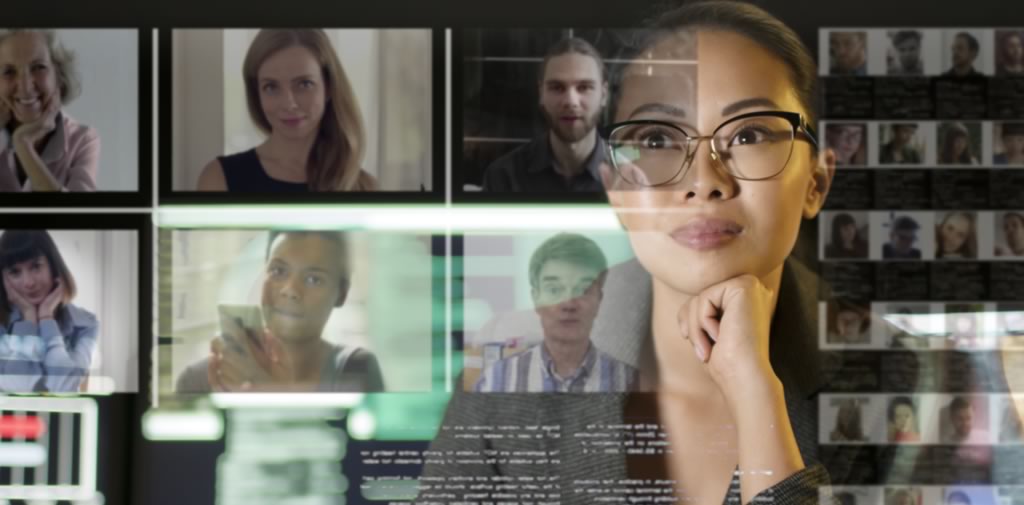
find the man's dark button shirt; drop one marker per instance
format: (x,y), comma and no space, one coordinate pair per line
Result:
(531,169)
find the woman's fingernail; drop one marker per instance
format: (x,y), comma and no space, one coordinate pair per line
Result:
(700,352)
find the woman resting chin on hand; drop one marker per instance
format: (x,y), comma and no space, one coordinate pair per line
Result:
(41,147)
(713,165)
(46,343)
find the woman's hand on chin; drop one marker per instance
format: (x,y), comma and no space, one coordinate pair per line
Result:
(728,325)
(35,131)
(28,311)
(5,113)
(48,307)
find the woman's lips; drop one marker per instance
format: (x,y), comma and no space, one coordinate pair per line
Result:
(293,122)
(704,234)
(286,313)
(27,105)
(35,299)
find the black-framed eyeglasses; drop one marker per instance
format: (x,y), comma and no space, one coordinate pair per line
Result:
(753,146)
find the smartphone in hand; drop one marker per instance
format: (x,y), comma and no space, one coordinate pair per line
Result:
(241,328)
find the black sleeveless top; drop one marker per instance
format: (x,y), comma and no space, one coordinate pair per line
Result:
(243,172)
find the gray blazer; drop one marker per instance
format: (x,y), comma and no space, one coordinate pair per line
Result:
(622,329)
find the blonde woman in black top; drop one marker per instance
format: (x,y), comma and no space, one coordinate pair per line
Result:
(299,96)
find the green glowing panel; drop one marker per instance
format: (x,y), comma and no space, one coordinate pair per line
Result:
(413,416)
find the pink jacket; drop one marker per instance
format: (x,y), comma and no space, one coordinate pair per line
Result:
(72,155)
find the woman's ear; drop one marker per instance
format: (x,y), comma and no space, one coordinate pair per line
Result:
(820,183)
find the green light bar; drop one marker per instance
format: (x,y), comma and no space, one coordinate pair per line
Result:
(427,218)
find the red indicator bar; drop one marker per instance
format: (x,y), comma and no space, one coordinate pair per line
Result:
(29,428)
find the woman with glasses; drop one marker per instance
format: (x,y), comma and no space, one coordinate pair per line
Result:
(713,167)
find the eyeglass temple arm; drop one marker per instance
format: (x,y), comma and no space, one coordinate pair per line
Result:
(811,134)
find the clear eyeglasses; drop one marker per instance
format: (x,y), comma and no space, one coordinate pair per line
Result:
(753,146)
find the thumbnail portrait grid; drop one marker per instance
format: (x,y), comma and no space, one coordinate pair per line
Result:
(921,245)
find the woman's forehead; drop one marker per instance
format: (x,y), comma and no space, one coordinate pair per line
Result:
(664,73)
(703,73)
(289,62)
(958,219)
(307,249)
(302,243)
(24,47)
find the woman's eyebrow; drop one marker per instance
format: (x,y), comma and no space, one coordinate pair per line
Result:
(748,103)
(663,108)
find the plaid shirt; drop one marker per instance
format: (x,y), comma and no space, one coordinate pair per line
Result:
(533,370)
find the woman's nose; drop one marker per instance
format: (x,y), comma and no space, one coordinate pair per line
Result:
(23,83)
(290,289)
(290,100)
(706,178)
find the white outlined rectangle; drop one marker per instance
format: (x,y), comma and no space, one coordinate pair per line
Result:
(87,439)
